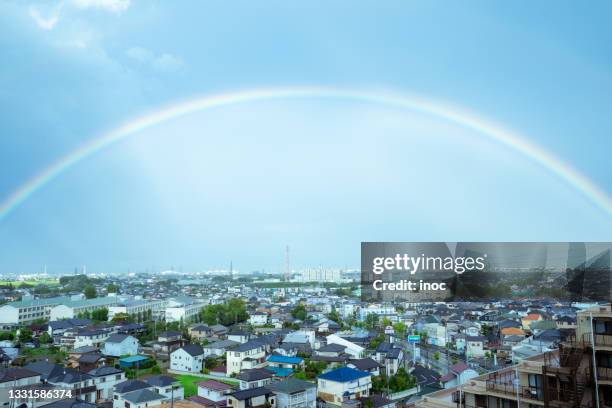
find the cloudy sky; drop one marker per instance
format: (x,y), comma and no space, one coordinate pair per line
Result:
(320,174)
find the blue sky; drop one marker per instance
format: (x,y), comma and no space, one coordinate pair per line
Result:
(241,182)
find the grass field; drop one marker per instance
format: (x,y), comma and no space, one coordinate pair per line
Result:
(189,383)
(48,282)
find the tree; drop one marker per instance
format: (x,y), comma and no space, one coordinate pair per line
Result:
(232,312)
(334,316)
(121,317)
(400,329)
(100,315)
(25,335)
(299,312)
(90,291)
(45,338)
(371,321)
(436,356)
(112,288)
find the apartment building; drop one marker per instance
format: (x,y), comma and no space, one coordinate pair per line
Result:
(578,374)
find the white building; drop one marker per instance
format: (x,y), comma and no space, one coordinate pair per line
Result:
(294,393)
(120,345)
(140,306)
(249,355)
(167,386)
(354,350)
(105,378)
(16,377)
(319,275)
(90,337)
(182,309)
(71,309)
(343,384)
(27,310)
(189,358)
(258,319)
(213,390)
(377,309)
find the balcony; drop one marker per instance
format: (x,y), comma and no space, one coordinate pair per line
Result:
(601,339)
(604,373)
(510,390)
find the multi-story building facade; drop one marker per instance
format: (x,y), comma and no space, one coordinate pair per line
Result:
(139,307)
(578,374)
(73,308)
(27,310)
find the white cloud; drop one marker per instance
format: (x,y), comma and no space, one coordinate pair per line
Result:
(115,6)
(164,62)
(168,63)
(45,23)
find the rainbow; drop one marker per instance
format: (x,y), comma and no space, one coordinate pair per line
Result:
(414,103)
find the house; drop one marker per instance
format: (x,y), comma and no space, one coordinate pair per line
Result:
(294,393)
(530,318)
(252,397)
(352,349)
(246,356)
(167,386)
(258,319)
(213,392)
(70,403)
(16,377)
(331,350)
(219,348)
(293,363)
(143,398)
(426,378)
(120,345)
(389,356)
(199,331)
(126,387)
(167,342)
(365,364)
(377,401)
(89,361)
(105,378)
(458,374)
(475,346)
(90,337)
(254,378)
(188,358)
(343,384)
(219,331)
(239,336)
(62,377)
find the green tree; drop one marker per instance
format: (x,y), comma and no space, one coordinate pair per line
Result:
(334,316)
(436,356)
(371,321)
(400,329)
(25,335)
(100,315)
(45,338)
(90,291)
(299,312)
(112,288)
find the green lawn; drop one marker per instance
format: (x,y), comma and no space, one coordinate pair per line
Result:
(48,282)
(189,383)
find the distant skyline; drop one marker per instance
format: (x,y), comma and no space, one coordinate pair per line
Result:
(241,182)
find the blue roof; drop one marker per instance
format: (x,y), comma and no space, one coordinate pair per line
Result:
(344,374)
(285,360)
(133,359)
(280,371)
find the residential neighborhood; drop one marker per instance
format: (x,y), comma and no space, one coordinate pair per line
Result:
(255,343)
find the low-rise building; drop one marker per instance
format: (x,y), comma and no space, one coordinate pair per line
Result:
(188,358)
(120,345)
(343,384)
(294,393)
